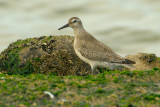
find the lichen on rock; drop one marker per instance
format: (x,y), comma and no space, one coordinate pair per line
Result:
(144,61)
(46,54)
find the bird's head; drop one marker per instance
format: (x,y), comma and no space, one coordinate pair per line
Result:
(74,22)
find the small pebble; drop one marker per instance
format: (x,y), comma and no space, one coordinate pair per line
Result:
(50,94)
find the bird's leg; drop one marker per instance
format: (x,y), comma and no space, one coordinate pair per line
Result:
(93,68)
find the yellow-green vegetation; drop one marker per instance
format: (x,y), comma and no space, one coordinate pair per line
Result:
(110,88)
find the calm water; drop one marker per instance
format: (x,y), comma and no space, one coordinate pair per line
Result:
(127,26)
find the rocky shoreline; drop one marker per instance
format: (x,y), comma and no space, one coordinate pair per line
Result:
(55,54)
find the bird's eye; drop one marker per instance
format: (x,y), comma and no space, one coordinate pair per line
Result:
(75,21)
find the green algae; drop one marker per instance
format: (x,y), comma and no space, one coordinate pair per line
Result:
(118,88)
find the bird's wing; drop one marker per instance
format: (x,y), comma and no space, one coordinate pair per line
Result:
(97,51)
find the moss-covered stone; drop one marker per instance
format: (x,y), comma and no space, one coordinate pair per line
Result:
(144,61)
(52,54)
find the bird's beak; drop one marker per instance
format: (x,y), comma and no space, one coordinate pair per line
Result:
(67,25)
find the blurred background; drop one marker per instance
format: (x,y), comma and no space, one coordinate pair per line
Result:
(127,26)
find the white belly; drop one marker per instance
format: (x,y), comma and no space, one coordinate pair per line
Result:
(83,58)
(95,63)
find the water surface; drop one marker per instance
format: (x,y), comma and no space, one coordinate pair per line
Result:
(127,26)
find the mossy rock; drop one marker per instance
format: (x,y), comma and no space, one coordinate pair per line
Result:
(46,54)
(144,61)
